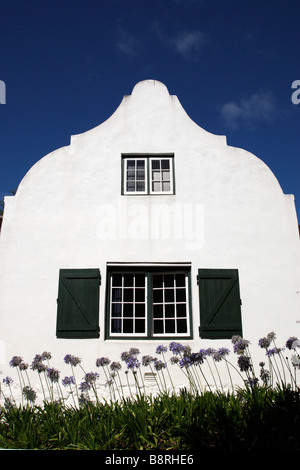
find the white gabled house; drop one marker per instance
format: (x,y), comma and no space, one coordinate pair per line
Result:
(145,230)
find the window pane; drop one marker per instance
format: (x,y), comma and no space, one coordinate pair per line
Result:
(180,295)
(180,280)
(128,310)
(130,186)
(140,186)
(140,164)
(117,280)
(140,295)
(158,326)
(130,175)
(169,280)
(116,326)
(156,186)
(128,295)
(157,295)
(166,186)
(128,326)
(165,164)
(169,310)
(116,294)
(181,326)
(157,280)
(140,326)
(156,176)
(170,326)
(128,280)
(169,295)
(165,175)
(180,310)
(130,164)
(155,164)
(140,175)
(158,311)
(140,310)
(140,280)
(116,310)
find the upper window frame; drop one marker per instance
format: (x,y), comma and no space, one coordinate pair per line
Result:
(148,159)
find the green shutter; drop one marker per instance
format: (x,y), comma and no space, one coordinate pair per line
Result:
(78,303)
(220,304)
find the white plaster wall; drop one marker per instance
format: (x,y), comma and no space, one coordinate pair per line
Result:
(69,213)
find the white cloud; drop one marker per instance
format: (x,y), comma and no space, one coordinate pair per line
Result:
(127,43)
(189,43)
(258,108)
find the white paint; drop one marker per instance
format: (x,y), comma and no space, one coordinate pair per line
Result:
(69,213)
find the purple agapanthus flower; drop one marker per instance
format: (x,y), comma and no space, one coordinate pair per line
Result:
(53,374)
(240,345)
(244,363)
(46,355)
(102,361)
(290,341)
(125,355)
(8,380)
(132,363)
(147,360)
(115,366)
(176,348)
(73,360)
(29,394)
(174,360)
(67,381)
(159,365)
(91,377)
(197,358)
(264,342)
(161,349)
(272,352)
(134,351)
(251,381)
(220,354)
(15,361)
(185,362)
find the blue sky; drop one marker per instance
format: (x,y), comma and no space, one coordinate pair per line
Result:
(67,65)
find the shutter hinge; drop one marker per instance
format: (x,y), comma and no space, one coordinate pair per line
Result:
(197,279)
(241,303)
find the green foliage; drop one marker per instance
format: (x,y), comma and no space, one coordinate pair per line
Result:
(251,419)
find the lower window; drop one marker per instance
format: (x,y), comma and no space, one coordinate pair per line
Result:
(148,303)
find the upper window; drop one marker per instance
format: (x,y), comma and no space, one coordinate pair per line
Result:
(148,174)
(148,303)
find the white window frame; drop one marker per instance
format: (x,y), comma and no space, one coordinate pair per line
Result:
(148,159)
(149,272)
(171,178)
(125,170)
(121,303)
